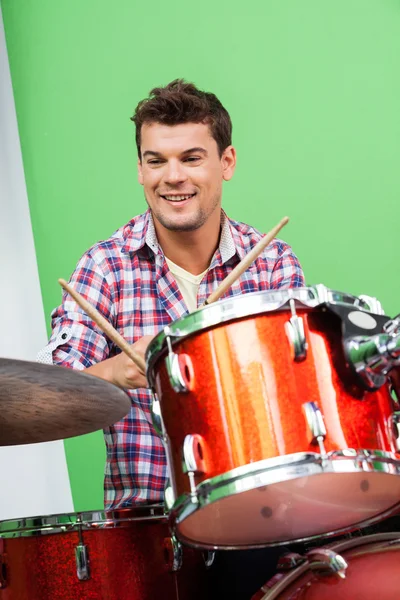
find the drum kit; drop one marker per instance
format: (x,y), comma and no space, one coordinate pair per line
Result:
(280,416)
(279,412)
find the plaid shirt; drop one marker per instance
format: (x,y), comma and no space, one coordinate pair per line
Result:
(127,279)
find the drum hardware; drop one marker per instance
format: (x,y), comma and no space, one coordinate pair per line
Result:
(373,357)
(325,562)
(169,496)
(324,295)
(179,367)
(392,327)
(316,425)
(371,304)
(156,416)
(295,333)
(82,562)
(173,554)
(193,461)
(81,554)
(193,457)
(209,558)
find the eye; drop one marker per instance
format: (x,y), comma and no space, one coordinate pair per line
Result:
(154,161)
(192,159)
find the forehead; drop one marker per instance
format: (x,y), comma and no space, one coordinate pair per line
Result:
(176,138)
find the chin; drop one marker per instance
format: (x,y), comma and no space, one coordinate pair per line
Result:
(181,223)
(189,225)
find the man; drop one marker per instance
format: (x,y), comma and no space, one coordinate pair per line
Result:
(158,267)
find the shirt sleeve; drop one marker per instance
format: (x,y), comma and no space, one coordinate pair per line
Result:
(287,271)
(76,341)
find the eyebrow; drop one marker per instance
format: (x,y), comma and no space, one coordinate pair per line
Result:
(189,151)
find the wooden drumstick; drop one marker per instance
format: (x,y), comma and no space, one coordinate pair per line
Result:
(105,326)
(245,263)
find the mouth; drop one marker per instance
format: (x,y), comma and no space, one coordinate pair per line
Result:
(176,198)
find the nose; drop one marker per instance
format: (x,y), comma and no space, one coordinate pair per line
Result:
(175,173)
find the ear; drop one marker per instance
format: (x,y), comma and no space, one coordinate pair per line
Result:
(228,162)
(140,171)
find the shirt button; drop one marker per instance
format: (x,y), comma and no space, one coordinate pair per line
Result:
(64,336)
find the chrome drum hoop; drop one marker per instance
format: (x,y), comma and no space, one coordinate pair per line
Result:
(63,523)
(279,470)
(250,304)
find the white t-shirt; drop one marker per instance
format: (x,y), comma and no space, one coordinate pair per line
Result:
(188,284)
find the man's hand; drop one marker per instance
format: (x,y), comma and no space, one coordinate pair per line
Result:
(120,370)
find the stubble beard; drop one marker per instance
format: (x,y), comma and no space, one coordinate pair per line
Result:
(192,224)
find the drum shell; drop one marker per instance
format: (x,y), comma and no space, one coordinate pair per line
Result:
(128,560)
(247,394)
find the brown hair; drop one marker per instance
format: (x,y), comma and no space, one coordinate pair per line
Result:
(182,102)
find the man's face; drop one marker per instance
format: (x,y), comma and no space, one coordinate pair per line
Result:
(182,174)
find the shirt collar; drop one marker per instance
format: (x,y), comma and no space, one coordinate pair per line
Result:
(230,241)
(141,231)
(138,232)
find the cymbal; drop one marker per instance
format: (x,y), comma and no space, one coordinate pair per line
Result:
(40,403)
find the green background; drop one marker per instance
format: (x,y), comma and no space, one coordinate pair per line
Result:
(313,88)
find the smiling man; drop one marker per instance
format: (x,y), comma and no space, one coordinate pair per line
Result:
(158,267)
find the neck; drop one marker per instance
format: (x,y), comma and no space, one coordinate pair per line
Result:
(190,250)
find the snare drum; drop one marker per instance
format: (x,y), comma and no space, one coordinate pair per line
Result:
(125,555)
(269,434)
(363,568)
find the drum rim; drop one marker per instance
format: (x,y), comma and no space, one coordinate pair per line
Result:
(65,522)
(305,464)
(247,305)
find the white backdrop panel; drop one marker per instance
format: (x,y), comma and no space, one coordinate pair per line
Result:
(35,478)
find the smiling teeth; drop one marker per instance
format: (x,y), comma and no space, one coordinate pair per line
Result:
(178,198)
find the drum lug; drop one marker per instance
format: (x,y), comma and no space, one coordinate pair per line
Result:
(209,558)
(173,554)
(326,562)
(169,495)
(193,454)
(156,417)
(179,367)
(193,461)
(82,562)
(295,332)
(316,425)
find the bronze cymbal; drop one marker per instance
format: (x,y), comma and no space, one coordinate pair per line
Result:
(40,403)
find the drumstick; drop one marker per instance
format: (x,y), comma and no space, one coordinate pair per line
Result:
(245,263)
(105,326)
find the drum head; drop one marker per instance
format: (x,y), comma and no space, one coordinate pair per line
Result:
(294,510)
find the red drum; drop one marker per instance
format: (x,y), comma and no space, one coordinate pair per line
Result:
(125,555)
(270,435)
(368,569)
